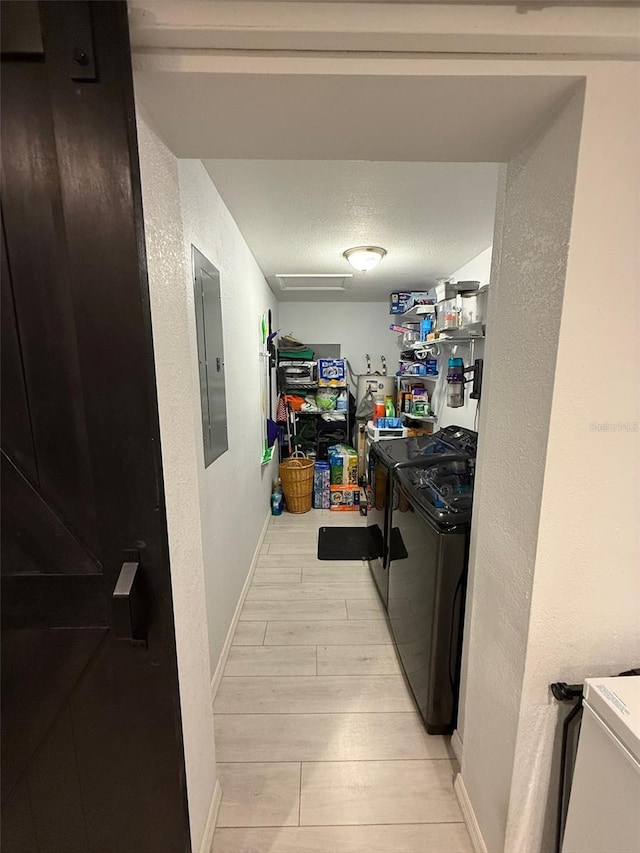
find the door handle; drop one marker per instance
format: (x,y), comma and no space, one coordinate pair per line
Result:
(218,364)
(127,604)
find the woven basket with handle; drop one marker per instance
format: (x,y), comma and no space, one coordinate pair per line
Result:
(296,475)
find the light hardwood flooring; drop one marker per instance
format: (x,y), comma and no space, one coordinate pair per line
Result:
(319,746)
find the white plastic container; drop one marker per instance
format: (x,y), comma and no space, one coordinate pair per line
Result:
(474,307)
(380,433)
(448,314)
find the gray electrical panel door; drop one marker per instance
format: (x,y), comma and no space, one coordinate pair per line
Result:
(206,283)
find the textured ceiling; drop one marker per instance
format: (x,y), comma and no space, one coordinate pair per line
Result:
(300,216)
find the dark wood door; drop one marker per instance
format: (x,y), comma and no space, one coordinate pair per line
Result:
(92,755)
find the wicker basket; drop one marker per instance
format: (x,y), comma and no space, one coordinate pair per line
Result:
(296,474)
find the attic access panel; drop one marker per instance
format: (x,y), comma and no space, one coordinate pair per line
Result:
(209,332)
(314,281)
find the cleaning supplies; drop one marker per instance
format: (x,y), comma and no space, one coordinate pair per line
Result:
(389,408)
(276,497)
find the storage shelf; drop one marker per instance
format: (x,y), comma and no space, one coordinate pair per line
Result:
(316,412)
(461,340)
(431,376)
(417,313)
(453,339)
(291,389)
(427,419)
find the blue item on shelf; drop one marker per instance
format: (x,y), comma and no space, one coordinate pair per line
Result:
(388,423)
(426,327)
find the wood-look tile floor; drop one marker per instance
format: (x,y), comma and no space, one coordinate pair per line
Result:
(319,746)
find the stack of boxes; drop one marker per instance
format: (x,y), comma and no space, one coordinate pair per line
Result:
(344,488)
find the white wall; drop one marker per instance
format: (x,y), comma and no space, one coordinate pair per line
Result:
(169,287)
(235,489)
(215,515)
(554,565)
(526,301)
(477,269)
(359,327)
(585,601)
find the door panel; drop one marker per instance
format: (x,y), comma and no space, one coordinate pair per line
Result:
(16,420)
(91,723)
(18,829)
(34,232)
(34,540)
(215,363)
(54,791)
(208,311)
(40,669)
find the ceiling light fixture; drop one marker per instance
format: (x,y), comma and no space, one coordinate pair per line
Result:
(365,258)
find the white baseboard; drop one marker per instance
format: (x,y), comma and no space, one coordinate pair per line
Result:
(212,817)
(456,746)
(469,816)
(224,654)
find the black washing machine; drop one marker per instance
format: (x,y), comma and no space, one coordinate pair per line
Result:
(383,495)
(427,578)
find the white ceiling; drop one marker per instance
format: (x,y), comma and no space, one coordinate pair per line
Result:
(312,164)
(206,113)
(300,216)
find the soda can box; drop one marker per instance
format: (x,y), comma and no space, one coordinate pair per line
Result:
(321,481)
(345,499)
(332,372)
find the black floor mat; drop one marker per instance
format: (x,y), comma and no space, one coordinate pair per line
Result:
(357,543)
(346,543)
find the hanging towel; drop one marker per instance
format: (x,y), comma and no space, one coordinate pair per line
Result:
(281,409)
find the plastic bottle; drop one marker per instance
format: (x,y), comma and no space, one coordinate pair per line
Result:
(455,383)
(276,497)
(379,409)
(389,408)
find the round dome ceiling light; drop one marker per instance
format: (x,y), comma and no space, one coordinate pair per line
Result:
(365,258)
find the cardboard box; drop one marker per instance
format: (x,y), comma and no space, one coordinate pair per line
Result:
(343,462)
(321,482)
(399,302)
(403,300)
(421,297)
(345,498)
(332,372)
